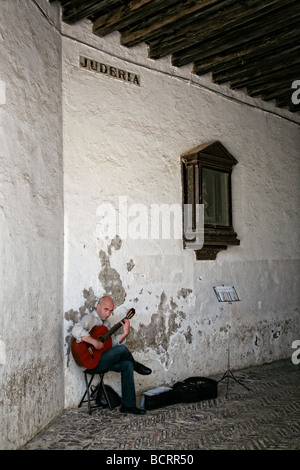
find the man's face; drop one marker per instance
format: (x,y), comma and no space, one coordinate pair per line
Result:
(105,308)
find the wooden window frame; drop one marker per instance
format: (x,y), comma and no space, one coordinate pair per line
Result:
(212,156)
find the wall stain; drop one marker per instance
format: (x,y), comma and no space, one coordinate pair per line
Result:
(276,334)
(109,277)
(110,280)
(116,243)
(130,265)
(157,335)
(40,384)
(75,316)
(184,293)
(188,335)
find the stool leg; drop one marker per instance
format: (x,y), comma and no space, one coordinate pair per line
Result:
(87,392)
(86,389)
(102,386)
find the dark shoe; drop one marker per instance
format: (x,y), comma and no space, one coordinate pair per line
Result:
(140,369)
(132,409)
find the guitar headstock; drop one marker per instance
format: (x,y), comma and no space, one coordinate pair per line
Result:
(130,313)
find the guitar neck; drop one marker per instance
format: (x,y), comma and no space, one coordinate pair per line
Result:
(111,331)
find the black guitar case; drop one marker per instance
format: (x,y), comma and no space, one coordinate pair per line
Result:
(190,390)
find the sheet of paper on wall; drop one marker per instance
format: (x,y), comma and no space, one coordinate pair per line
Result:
(226,294)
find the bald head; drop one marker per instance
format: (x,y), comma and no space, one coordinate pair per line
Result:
(104,299)
(105,307)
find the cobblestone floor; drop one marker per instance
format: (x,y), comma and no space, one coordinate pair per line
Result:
(267,416)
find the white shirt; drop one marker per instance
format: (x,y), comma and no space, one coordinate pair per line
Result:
(84,326)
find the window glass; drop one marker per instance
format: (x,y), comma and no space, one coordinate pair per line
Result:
(215,197)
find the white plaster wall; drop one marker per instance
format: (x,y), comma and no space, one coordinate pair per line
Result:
(31,220)
(123,140)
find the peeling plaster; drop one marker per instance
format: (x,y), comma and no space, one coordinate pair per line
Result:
(116,243)
(188,335)
(184,293)
(110,280)
(130,265)
(164,324)
(109,277)
(75,316)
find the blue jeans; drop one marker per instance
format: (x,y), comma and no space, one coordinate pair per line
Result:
(120,359)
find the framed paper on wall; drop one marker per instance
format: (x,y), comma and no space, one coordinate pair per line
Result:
(226,294)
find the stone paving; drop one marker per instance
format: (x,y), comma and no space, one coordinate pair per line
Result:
(265,417)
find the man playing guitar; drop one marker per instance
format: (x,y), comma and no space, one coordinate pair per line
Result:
(114,355)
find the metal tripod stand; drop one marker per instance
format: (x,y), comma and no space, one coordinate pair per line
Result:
(229,374)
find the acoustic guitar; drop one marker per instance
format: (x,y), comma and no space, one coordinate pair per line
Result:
(85,355)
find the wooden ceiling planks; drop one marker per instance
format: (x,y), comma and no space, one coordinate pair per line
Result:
(250,44)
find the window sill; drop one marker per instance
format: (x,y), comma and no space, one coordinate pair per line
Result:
(216,241)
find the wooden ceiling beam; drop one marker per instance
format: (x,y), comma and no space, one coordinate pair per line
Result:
(275,93)
(294,108)
(272,88)
(259,67)
(188,38)
(284,99)
(249,52)
(222,41)
(177,15)
(76,10)
(283,77)
(134,11)
(261,78)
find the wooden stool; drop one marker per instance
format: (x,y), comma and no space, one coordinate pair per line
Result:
(101,390)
